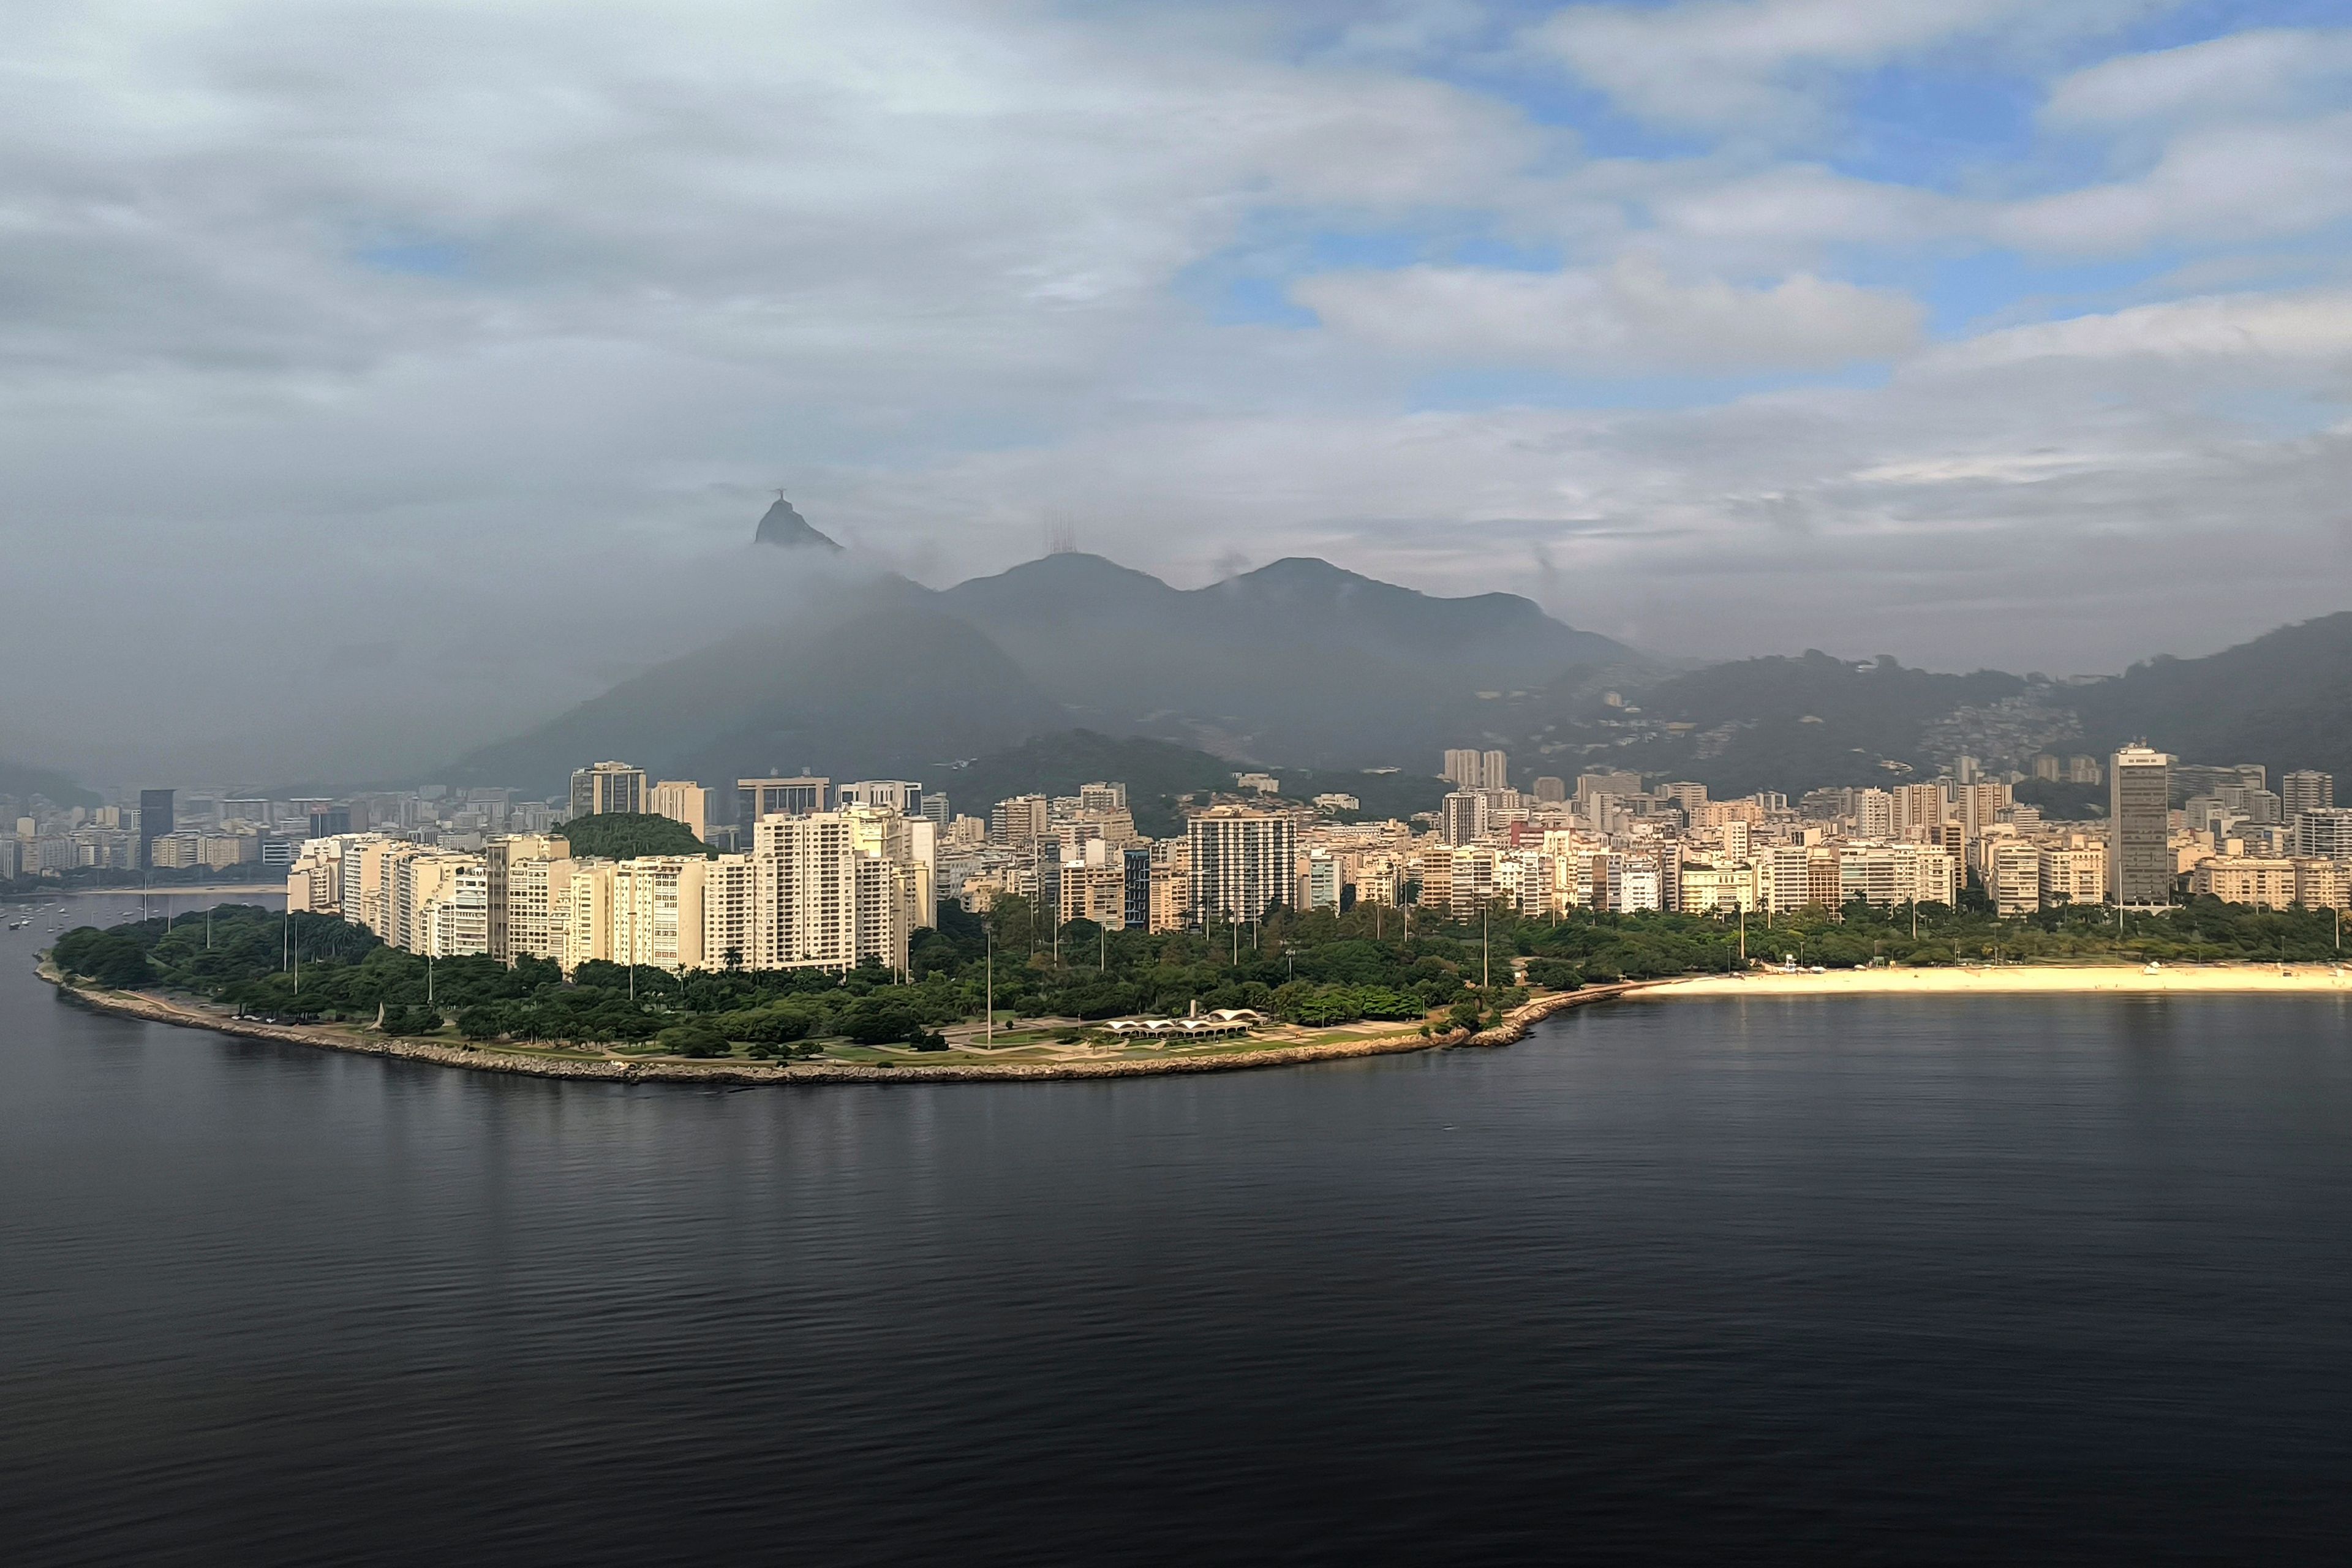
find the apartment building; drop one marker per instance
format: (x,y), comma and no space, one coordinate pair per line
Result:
(2261,880)
(2074,874)
(607,787)
(1891,874)
(683,801)
(2013,876)
(1242,862)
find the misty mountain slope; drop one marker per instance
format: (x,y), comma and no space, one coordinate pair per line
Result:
(1300,662)
(784,528)
(1485,637)
(2283,700)
(878,681)
(1774,723)
(23,782)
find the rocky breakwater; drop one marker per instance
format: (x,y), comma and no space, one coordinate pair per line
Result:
(1515,1023)
(157,1009)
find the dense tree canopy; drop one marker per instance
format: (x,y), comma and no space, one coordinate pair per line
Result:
(625,835)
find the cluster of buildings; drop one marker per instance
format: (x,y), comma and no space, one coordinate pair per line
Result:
(2244,842)
(800,872)
(1613,843)
(220,832)
(825,879)
(1617,841)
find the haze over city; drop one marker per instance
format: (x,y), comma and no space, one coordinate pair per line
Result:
(441,359)
(1011,782)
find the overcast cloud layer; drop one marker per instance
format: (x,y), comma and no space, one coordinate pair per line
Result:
(374,379)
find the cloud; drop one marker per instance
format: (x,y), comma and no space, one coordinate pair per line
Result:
(1628,320)
(2314,326)
(434,333)
(2260,74)
(2226,185)
(1805,209)
(1758,65)
(2035,498)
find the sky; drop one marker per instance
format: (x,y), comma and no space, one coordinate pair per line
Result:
(377,378)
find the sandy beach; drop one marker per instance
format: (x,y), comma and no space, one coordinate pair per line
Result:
(2295,978)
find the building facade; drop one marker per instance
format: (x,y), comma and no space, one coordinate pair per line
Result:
(1242,862)
(2139,857)
(608,787)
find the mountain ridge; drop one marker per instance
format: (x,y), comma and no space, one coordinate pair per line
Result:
(1305,664)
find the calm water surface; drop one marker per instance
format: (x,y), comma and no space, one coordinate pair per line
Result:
(1861,1280)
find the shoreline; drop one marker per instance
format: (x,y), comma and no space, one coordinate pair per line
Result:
(149,1008)
(2021,979)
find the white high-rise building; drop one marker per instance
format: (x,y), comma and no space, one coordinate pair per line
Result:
(1891,874)
(1783,878)
(1477,770)
(2075,874)
(527,873)
(2324,833)
(821,902)
(2013,874)
(1635,883)
(459,921)
(1919,810)
(656,911)
(2305,789)
(1873,813)
(1242,862)
(1463,816)
(587,914)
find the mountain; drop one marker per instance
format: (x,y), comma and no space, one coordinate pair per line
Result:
(2283,700)
(863,680)
(1788,724)
(1304,665)
(22,783)
(787,530)
(1300,662)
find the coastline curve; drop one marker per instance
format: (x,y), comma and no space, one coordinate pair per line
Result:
(147,1007)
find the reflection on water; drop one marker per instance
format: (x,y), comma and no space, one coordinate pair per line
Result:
(2012,1276)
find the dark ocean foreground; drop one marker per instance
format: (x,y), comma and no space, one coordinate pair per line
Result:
(1886,1279)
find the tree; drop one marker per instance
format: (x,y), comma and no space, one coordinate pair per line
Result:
(883,1019)
(625,835)
(1555,975)
(693,1039)
(484,1021)
(113,959)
